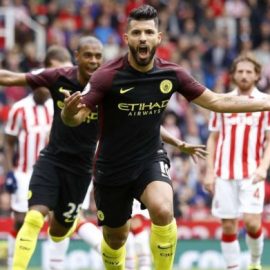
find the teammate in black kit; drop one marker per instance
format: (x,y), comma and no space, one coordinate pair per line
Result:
(62,173)
(130,161)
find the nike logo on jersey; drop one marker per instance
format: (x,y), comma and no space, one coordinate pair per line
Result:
(123,91)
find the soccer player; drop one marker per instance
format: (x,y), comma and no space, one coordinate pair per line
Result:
(26,133)
(62,173)
(130,161)
(239,156)
(56,57)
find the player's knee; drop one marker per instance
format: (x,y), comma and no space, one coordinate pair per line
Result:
(229,226)
(58,232)
(252,226)
(116,242)
(115,239)
(34,218)
(162,214)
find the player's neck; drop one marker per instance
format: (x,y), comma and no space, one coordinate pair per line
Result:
(245,92)
(83,81)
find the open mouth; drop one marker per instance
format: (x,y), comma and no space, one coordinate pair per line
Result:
(143,51)
(90,70)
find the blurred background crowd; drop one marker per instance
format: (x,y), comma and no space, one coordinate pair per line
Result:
(204,36)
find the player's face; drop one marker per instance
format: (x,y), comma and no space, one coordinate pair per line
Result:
(89,58)
(245,76)
(142,39)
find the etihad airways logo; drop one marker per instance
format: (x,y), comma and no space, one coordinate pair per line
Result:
(143,109)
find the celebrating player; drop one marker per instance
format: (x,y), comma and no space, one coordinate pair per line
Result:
(130,160)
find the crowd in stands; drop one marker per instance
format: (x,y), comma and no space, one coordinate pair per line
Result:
(204,36)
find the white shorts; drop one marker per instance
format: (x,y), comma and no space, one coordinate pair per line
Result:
(19,199)
(234,197)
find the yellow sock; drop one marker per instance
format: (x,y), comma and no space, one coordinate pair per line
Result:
(26,239)
(163,245)
(113,259)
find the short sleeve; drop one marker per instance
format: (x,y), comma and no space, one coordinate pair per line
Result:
(42,77)
(188,86)
(214,121)
(95,90)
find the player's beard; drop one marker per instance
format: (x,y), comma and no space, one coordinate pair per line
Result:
(245,86)
(138,60)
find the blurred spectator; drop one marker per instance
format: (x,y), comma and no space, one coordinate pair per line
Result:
(29,60)
(104,32)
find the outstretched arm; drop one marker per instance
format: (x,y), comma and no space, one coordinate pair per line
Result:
(9,78)
(73,112)
(195,150)
(226,103)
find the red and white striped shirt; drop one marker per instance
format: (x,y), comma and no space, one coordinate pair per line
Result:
(241,140)
(31,123)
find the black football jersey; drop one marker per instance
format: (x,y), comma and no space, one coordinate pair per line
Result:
(130,106)
(69,147)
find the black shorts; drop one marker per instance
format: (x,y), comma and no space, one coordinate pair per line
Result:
(60,190)
(114,203)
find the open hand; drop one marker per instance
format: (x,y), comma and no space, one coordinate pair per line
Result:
(72,104)
(259,175)
(209,182)
(195,150)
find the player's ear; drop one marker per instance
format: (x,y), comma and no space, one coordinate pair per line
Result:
(160,37)
(76,55)
(125,38)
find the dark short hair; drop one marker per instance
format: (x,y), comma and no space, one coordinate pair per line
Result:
(249,57)
(88,40)
(144,12)
(56,52)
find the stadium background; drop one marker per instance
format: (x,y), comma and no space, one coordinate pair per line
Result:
(204,36)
